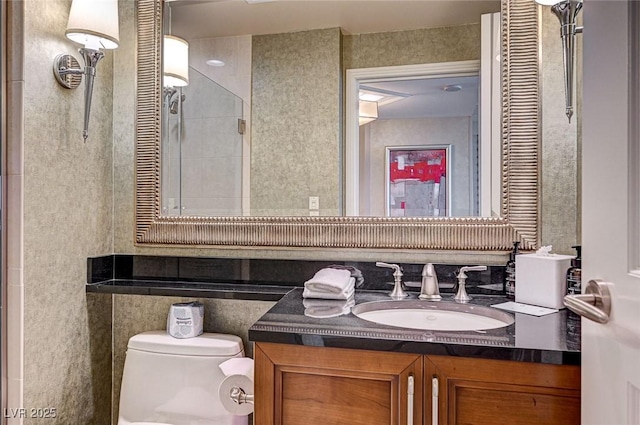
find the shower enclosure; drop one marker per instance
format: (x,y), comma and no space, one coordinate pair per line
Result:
(202,149)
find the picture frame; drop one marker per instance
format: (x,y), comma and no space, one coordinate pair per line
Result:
(418,181)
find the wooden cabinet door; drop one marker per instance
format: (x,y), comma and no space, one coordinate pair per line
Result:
(479,392)
(297,385)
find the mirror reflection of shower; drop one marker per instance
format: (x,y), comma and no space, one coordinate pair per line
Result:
(174,99)
(172,133)
(175,79)
(202,149)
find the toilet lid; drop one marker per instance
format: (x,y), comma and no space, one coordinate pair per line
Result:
(207,344)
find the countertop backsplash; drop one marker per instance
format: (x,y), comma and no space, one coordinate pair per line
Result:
(117,272)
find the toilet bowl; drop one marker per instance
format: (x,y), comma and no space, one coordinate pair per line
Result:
(169,381)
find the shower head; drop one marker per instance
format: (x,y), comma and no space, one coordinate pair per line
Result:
(175,101)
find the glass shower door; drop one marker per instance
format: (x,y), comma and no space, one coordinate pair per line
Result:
(202,150)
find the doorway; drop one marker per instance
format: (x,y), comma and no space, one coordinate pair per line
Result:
(437,97)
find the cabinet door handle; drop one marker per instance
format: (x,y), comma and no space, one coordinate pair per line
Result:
(434,400)
(410,392)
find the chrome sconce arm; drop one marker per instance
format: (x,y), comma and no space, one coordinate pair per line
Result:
(66,67)
(94,24)
(567,12)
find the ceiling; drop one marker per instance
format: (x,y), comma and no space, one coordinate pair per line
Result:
(425,97)
(193,19)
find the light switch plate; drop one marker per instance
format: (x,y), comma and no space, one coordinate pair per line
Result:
(314,202)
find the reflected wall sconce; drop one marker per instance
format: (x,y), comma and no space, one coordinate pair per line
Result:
(175,54)
(368,111)
(94,24)
(567,12)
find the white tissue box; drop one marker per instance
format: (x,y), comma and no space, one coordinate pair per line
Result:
(541,279)
(185,320)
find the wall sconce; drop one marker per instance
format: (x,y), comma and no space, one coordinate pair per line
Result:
(567,12)
(94,24)
(175,61)
(368,111)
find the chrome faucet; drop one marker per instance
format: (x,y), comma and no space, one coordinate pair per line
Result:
(461,295)
(398,290)
(430,289)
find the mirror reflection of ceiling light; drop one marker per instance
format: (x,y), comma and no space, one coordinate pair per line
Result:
(370,97)
(382,97)
(215,62)
(452,88)
(175,61)
(368,111)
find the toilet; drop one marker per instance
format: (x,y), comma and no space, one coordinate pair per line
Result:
(170,381)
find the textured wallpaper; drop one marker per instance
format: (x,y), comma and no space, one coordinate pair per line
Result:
(296,131)
(68,202)
(560,145)
(430,45)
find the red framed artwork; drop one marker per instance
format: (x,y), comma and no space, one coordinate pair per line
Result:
(418,181)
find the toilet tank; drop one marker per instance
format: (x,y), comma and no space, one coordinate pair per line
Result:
(175,381)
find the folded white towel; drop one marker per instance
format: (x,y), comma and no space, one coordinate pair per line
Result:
(322,309)
(330,283)
(317,291)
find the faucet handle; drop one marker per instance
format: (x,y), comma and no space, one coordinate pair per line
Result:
(389,266)
(461,295)
(398,290)
(464,269)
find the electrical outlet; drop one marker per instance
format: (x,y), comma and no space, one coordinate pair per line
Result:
(314,202)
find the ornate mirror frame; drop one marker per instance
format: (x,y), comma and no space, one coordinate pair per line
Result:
(520,165)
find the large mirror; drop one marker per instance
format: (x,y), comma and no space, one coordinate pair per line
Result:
(253,126)
(250,152)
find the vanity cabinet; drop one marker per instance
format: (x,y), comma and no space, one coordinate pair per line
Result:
(332,386)
(297,385)
(489,392)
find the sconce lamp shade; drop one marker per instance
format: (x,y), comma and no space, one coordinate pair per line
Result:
(547,2)
(368,111)
(175,56)
(94,23)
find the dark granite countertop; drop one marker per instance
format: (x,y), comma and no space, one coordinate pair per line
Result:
(552,339)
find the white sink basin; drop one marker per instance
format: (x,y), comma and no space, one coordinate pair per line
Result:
(436,316)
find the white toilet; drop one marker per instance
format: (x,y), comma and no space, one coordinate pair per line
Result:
(169,381)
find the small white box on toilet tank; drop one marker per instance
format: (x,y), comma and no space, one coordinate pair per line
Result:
(541,279)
